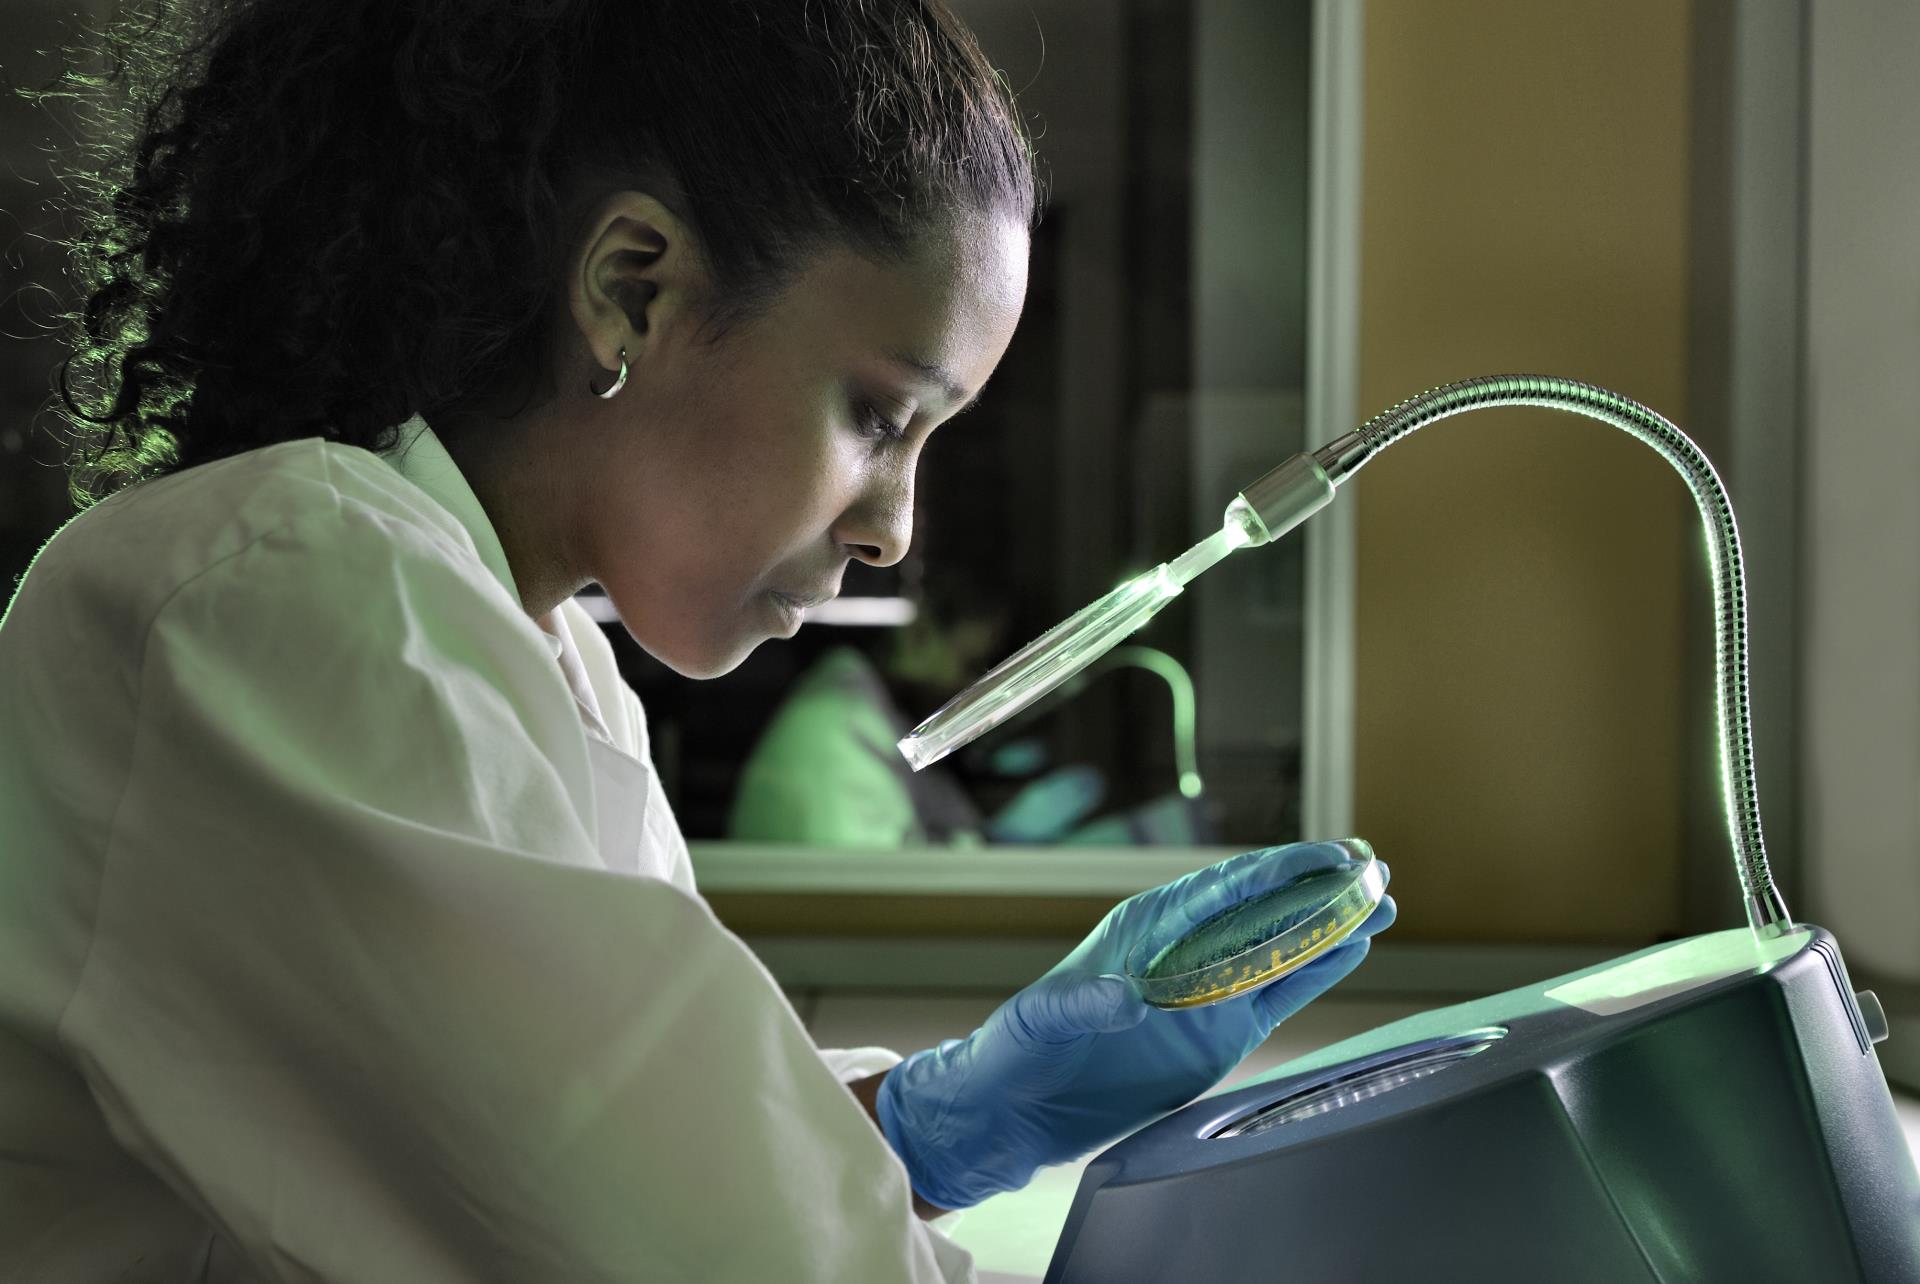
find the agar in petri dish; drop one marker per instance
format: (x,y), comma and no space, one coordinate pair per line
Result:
(1180,964)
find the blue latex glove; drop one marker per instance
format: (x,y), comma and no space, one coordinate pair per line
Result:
(1078,1058)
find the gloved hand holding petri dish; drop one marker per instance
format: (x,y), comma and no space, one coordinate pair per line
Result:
(1211,947)
(1132,1022)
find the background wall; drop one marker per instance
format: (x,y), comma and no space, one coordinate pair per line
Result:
(1862,494)
(33,487)
(1521,574)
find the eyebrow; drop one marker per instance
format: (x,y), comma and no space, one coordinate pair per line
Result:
(939,376)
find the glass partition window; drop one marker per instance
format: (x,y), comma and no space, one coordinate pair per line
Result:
(1158,368)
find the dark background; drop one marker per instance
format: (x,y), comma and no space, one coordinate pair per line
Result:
(1072,472)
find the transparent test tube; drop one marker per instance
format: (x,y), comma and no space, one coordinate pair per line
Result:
(1070,646)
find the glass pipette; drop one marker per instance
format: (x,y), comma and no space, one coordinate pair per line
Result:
(1264,511)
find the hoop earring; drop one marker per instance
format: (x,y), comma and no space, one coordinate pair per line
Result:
(618,383)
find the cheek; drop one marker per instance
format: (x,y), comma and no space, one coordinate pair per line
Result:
(798,464)
(764,496)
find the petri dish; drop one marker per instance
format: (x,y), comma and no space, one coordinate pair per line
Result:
(1181,963)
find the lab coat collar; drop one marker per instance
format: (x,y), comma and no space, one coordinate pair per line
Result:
(421,459)
(556,629)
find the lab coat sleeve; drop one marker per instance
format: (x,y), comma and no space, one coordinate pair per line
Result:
(849,1064)
(359,992)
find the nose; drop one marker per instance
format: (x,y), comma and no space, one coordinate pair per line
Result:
(878,526)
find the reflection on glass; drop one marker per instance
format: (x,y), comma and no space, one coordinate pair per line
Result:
(825,772)
(1063,651)
(1158,367)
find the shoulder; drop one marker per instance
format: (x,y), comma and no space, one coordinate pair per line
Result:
(303,580)
(307,530)
(348,609)
(131,552)
(197,518)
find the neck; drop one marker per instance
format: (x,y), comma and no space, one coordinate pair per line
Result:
(513,466)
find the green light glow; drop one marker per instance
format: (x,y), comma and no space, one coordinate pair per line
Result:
(1675,968)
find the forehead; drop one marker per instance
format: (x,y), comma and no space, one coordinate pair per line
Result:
(953,301)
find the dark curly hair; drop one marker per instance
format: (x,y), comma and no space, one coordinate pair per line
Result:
(319,217)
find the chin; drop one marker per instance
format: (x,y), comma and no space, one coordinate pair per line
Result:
(700,662)
(692,651)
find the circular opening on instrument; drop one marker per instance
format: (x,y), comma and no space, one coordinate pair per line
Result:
(1406,1067)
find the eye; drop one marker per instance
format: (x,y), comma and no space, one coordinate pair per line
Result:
(870,423)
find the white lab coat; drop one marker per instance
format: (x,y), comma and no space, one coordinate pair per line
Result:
(347,936)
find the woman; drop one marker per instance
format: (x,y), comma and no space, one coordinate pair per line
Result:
(345,933)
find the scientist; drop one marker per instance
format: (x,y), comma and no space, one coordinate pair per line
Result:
(345,932)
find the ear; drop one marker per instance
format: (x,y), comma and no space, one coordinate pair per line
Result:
(634,278)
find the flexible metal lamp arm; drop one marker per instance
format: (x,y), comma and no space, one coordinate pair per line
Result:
(1300,486)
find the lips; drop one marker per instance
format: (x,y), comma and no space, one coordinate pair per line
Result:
(807,599)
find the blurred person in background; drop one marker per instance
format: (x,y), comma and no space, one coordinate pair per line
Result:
(826,771)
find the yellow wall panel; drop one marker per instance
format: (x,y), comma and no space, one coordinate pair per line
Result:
(1520,573)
